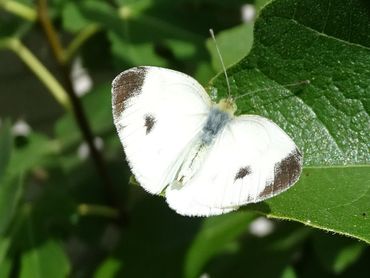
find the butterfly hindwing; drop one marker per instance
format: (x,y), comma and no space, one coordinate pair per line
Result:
(252,159)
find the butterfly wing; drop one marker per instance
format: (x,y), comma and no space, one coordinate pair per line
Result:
(251,159)
(158,114)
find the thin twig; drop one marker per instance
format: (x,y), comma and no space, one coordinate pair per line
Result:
(97,210)
(19,9)
(48,28)
(78,110)
(79,40)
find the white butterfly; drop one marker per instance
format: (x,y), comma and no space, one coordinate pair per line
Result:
(204,159)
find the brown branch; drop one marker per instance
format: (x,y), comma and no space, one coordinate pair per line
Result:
(48,28)
(79,114)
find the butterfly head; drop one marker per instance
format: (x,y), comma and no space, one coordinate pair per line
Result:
(227,105)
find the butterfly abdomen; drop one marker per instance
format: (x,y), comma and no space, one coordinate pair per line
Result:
(215,122)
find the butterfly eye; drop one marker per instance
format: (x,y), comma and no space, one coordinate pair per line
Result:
(149,123)
(243,172)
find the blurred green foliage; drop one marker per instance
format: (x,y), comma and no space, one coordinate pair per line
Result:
(59,219)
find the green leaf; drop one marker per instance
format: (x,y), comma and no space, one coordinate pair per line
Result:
(6,144)
(11,189)
(289,273)
(216,234)
(47,260)
(335,199)
(336,253)
(43,259)
(109,268)
(6,267)
(276,251)
(159,242)
(134,54)
(4,247)
(35,153)
(328,119)
(73,20)
(234,44)
(259,4)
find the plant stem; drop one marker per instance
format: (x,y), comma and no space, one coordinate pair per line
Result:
(77,107)
(39,70)
(48,28)
(19,9)
(98,210)
(79,40)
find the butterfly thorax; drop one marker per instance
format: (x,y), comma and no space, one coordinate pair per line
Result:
(227,105)
(216,121)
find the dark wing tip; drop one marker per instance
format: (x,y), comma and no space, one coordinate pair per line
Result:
(126,85)
(286,173)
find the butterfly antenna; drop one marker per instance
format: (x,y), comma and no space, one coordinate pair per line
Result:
(222,62)
(272,87)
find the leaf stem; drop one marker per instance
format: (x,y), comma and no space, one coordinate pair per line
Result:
(19,9)
(79,40)
(38,69)
(98,210)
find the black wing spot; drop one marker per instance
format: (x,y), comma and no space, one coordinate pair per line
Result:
(149,123)
(286,173)
(126,85)
(243,172)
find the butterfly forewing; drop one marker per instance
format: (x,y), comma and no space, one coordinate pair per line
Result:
(158,114)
